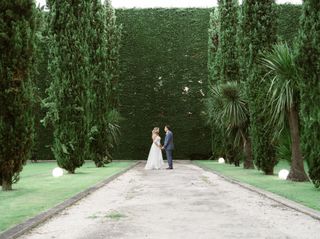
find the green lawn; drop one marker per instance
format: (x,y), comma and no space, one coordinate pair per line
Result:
(303,193)
(38,191)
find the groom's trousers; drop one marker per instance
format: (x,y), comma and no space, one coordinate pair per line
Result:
(169,157)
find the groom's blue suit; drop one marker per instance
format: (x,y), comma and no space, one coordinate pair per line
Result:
(168,146)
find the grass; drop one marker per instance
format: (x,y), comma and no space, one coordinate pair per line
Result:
(304,193)
(38,191)
(115,215)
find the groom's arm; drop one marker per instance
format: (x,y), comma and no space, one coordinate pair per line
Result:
(167,140)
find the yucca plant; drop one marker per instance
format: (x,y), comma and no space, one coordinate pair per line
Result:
(217,134)
(231,111)
(284,101)
(284,146)
(105,140)
(113,131)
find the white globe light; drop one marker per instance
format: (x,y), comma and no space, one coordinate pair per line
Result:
(221,160)
(57,172)
(283,174)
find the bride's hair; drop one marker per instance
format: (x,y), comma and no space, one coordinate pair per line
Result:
(155,130)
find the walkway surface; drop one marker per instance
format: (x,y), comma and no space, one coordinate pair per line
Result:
(186,202)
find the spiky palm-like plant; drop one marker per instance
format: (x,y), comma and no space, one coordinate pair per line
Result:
(231,111)
(284,101)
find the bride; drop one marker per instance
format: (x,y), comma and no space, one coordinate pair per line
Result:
(155,160)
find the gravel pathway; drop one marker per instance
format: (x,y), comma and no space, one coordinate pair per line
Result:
(186,202)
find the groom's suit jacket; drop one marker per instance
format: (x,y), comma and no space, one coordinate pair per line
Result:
(168,141)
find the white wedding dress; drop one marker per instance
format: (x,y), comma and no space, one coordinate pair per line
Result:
(155,160)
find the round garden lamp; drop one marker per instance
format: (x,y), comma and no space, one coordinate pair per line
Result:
(57,172)
(283,174)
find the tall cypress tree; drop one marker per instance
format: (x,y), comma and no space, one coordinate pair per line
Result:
(114,32)
(229,65)
(67,100)
(213,46)
(17,28)
(228,10)
(104,60)
(308,61)
(99,82)
(259,34)
(214,62)
(224,68)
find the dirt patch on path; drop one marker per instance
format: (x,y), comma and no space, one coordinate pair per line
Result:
(186,202)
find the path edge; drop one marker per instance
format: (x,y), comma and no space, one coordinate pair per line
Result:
(277,198)
(22,228)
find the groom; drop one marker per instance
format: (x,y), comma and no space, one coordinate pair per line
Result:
(168,145)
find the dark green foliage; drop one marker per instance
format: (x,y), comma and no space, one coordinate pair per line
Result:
(258,28)
(113,35)
(288,22)
(284,147)
(161,57)
(228,13)
(228,108)
(230,72)
(104,61)
(213,47)
(69,67)
(43,135)
(284,102)
(224,69)
(308,61)
(17,36)
(164,51)
(288,27)
(214,62)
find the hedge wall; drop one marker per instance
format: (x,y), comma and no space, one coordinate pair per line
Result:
(289,21)
(164,51)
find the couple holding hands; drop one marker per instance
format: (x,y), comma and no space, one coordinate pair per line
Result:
(155,159)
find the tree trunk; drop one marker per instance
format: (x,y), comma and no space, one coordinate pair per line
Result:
(247,147)
(237,163)
(297,172)
(212,146)
(6,185)
(71,171)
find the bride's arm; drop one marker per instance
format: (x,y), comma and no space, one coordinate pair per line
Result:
(155,142)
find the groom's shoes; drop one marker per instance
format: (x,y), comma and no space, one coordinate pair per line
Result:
(169,168)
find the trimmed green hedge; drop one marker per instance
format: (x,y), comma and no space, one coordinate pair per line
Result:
(289,21)
(163,51)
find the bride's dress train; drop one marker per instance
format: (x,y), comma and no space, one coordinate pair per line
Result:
(155,160)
